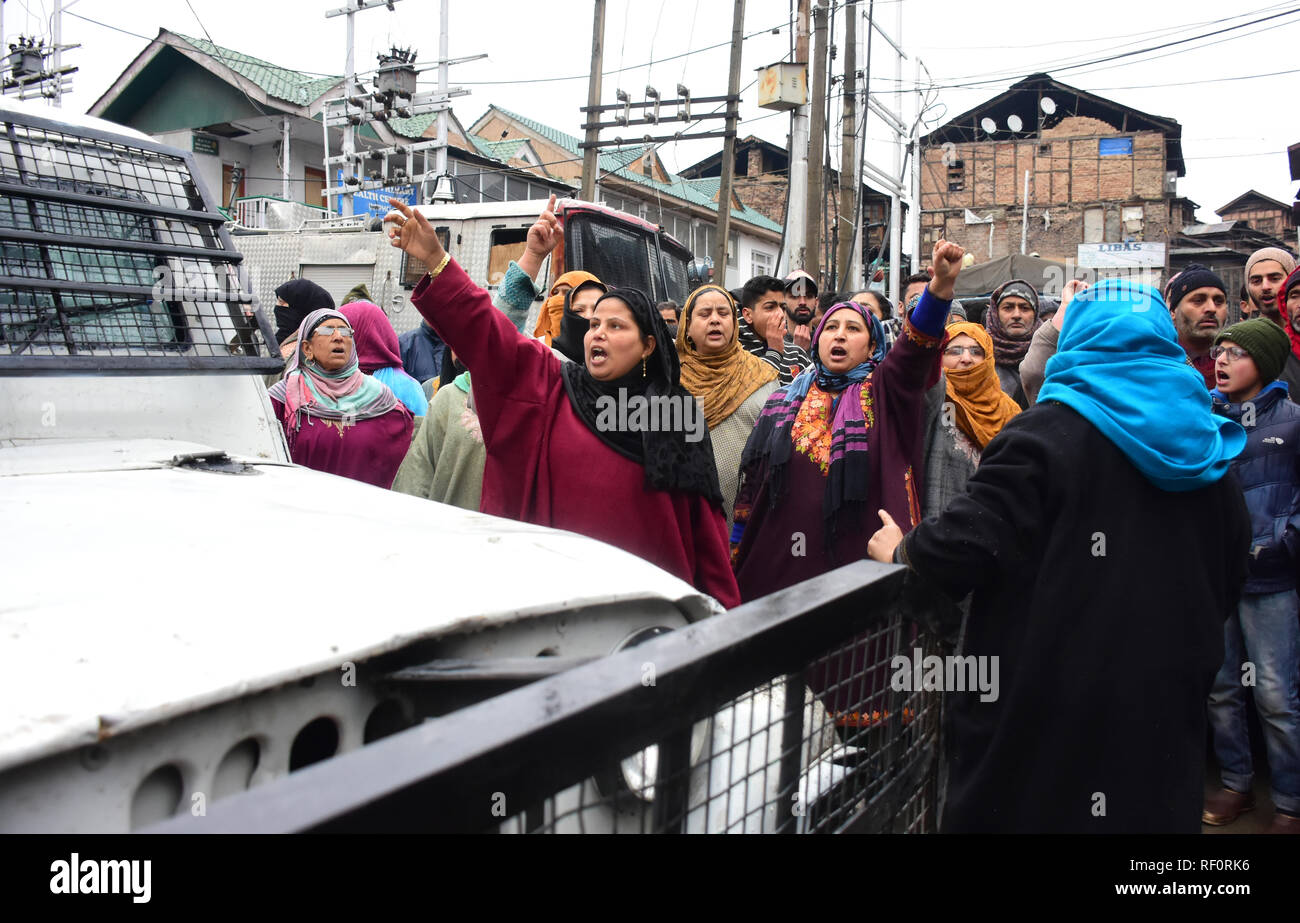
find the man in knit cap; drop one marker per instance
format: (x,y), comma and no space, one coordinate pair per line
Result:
(1198,306)
(1011,319)
(1265,270)
(1262,637)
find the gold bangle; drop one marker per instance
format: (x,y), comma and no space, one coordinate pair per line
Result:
(446,258)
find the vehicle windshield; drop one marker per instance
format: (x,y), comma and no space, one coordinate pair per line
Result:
(620,255)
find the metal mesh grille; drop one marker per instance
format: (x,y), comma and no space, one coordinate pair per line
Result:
(679,285)
(110,257)
(619,257)
(834,748)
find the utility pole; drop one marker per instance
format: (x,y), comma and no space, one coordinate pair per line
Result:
(895,200)
(729,147)
(440,156)
(591,154)
(56,38)
(1024,217)
(848,175)
(816,212)
(350,81)
(797,189)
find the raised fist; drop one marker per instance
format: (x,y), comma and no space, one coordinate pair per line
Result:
(947,264)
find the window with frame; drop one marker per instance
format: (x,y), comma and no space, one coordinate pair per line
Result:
(413,270)
(760,264)
(957,176)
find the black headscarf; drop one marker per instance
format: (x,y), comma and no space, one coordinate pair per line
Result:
(451,367)
(670,461)
(573,326)
(302,297)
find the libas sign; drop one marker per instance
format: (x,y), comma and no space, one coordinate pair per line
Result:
(1130,254)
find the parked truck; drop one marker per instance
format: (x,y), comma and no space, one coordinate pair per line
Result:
(620,249)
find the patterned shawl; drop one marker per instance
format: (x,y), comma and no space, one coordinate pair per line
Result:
(307,390)
(724,381)
(833,432)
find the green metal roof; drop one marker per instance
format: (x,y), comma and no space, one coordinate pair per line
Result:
(500,150)
(296,87)
(701,192)
(282,83)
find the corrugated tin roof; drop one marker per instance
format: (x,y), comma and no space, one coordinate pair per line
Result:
(280,82)
(702,192)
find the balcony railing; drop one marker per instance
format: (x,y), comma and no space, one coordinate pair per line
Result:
(271,213)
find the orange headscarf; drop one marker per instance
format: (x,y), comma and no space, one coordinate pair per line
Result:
(548,321)
(981,407)
(722,382)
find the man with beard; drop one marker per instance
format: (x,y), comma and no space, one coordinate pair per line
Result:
(762,328)
(1011,319)
(1265,270)
(1198,305)
(800,307)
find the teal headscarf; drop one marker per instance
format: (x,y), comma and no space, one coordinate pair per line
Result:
(1119,365)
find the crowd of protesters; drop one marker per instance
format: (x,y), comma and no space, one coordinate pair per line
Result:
(1021,464)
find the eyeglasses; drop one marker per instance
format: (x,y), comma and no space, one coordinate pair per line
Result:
(956,352)
(1234,352)
(331,330)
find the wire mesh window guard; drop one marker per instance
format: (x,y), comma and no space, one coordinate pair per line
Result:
(112,259)
(785,715)
(830,749)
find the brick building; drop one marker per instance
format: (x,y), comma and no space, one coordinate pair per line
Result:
(1098,172)
(762,179)
(1263,213)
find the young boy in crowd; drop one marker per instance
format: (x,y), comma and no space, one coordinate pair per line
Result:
(1262,638)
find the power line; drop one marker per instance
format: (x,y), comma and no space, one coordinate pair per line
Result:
(973,83)
(1087,59)
(107,26)
(619,70)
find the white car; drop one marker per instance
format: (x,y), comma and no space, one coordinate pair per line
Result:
(186,614)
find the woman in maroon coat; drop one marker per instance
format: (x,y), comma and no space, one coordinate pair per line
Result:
(567,445)
(335,417)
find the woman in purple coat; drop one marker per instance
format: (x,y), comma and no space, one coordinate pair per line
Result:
(335,417)
(842,441)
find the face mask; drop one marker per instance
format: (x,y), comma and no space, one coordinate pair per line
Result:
(672,330)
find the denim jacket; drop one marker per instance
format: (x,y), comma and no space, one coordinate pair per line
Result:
(1269,472)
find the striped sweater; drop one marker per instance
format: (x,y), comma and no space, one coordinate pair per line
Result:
(787,364)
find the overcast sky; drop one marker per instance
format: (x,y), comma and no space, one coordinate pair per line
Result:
(1235,131)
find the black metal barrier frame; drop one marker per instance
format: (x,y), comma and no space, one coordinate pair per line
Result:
(784,715)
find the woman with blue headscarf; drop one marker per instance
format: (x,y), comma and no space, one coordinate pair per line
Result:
(1105,548)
